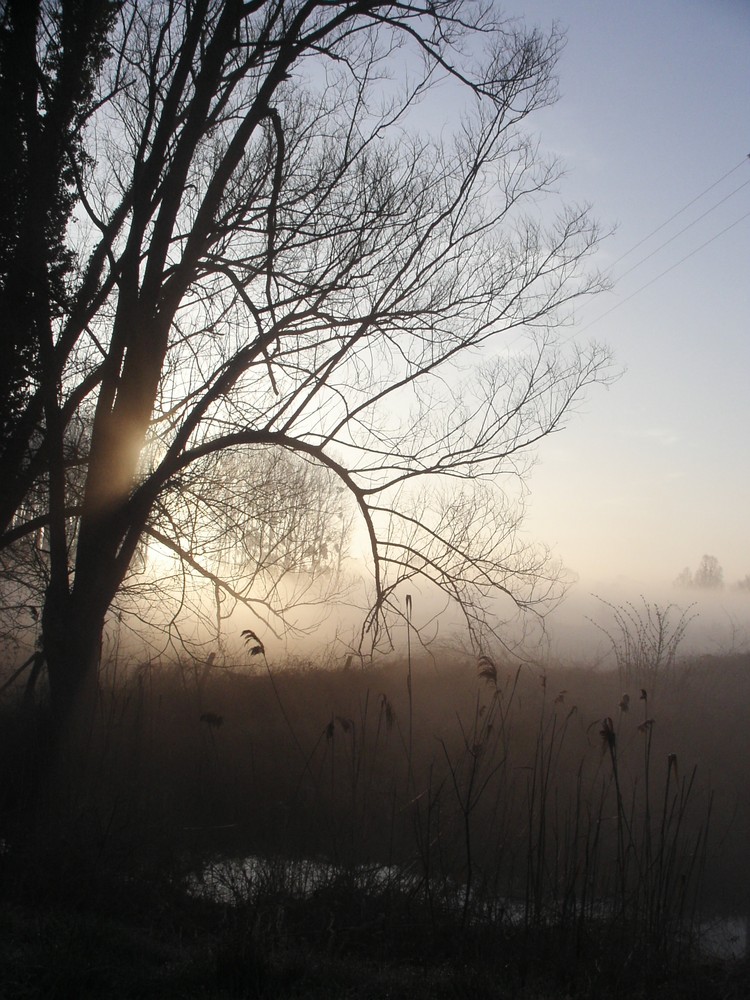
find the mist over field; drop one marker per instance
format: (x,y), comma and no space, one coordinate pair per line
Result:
(719,621)
(576,630)
(571,631)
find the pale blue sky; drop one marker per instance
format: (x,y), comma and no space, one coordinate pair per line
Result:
(655,108)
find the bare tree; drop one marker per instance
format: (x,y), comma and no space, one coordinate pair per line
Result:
(709,575)
(229,233)
(257,529)
(254,528)
(684,579)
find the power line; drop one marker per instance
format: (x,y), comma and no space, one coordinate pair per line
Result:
(681,210)
(665,272)
(683,230)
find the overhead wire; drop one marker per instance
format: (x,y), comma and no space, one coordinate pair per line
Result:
(684,229)
(679,211)
(662,225)
(666,271)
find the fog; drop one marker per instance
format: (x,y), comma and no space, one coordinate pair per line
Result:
(578,629)
(719,620)
(572,631)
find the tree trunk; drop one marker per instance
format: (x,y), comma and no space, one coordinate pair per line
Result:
(67,811)
(72,637)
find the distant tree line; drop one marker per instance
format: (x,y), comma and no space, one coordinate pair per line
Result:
(709,576)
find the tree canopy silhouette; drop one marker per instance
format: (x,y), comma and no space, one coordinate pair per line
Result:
(228,227)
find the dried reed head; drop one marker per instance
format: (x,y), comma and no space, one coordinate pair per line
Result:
(253,643)
(387,711)
(607,733)
(486,669)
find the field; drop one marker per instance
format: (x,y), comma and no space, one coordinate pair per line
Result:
(436,828)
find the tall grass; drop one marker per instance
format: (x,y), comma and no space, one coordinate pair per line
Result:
(533,816)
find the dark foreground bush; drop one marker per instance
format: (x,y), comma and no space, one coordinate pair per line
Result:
(150,937)
(507,832)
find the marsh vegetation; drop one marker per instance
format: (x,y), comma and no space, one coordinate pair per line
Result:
(494,829)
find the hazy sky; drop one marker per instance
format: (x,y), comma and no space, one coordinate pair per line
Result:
(654,109)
